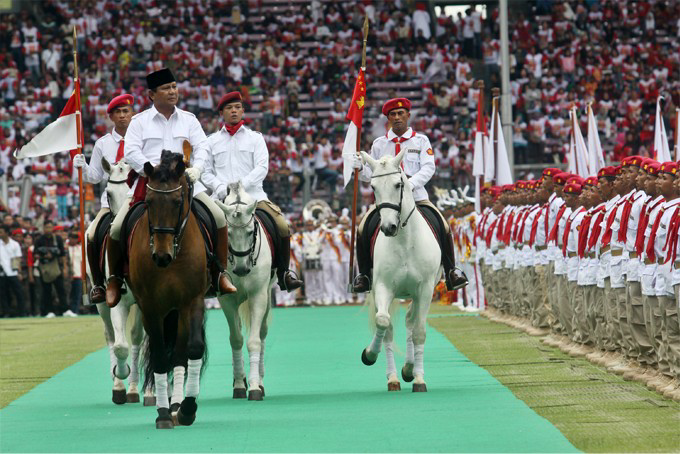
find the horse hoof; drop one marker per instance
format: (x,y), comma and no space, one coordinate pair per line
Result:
(164,420)
(394,386)
(419,388)
(239,393)
(187,411)
(255,394)
(132,398)
(119,397)
(174,408)
(365,360)
(407,373)
(262,388)
(149,401)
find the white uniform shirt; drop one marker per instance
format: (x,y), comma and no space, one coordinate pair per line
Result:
(561,261)
(605,258)
(663,272)
(648,272)
(242,157)
(618,263)
(418,162)
(149,133)
(633,266)
(572,243)
(9,251)
(554,252)
(105,147)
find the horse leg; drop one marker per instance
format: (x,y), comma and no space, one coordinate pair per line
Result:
(160,364)
(407,370)
(179,359)
(422,309)
(119,315)
(257,312)
(263,336)
(392,380)
(239,384)
(383,299)
(118,391)
(195,351)
(136,339)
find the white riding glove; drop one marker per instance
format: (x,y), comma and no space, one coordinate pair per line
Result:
(79,161)
(356,161)
(220,193)
(193,173)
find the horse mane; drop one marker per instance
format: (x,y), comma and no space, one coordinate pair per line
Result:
(166,169)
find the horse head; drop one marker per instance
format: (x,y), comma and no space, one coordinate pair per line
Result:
(116,186)
(168,206)
(391,188)
(239,209)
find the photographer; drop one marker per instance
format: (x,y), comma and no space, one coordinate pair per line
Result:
(53,267)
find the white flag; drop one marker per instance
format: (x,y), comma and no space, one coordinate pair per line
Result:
(595,155)
(661,151)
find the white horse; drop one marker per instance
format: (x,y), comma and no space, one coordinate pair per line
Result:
(406,266)
(250,266)
(115,320)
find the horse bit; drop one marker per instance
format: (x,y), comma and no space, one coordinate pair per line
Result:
(178,230)
(392,206)
(250,253)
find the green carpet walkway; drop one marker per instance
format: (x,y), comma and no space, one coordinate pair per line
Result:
(320,398)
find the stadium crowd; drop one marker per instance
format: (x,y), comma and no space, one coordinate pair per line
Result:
(295,64)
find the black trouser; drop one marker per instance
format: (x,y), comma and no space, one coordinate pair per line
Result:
(47,299)
(10,285)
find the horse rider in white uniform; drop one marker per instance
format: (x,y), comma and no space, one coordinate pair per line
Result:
(237,153)
(165,127)
(419,166)
(110,147)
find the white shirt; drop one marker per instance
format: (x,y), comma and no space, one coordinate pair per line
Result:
(105,147)
(418,162)
(9,251)
(149,133)
(242,157)
(572,243)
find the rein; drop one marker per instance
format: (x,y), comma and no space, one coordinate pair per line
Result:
(393,206)
(178,230)
(250,253)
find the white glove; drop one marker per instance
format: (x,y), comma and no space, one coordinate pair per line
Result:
(220,193)
(79,161)
(193,173)
(356,161)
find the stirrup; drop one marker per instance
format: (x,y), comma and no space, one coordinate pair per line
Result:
(357,283)
(293,275)
(457,281)
(123,285)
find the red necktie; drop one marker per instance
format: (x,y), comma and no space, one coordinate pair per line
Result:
(121,148)
(625,216)
(508,229)
(583,234)
(500,230)
(597,228)
(553,232)
(652,237)
(607,238)
(534,227)
(232,129)
(672,239)
(565,236)
(642,226)
(490,233)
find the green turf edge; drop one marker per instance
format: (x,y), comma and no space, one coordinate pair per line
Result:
(596,411)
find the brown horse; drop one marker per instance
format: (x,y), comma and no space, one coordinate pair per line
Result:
(168,278)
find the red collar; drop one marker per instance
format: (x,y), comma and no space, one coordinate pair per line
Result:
(233,129)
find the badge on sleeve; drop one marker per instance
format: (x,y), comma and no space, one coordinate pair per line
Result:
(430,152)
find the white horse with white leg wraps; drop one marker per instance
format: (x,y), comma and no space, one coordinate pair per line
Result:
(115,320)
(406,265)
(250,267)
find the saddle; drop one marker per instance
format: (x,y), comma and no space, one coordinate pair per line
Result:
(101,236)
(206,224)
(371,228)
(270,231)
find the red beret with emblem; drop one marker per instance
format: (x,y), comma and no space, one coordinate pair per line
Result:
(670,167)
(561,178)
(634,161)
(652,167)
(551,171)
(572,188)
(520,184)
(233,96)
(591,181)
(121,100)
(575,179)
(396,103)
(608,171)
(508,188)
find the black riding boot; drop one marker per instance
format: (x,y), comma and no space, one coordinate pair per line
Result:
(455,279)
(98,292)
(362,282)
(288,281)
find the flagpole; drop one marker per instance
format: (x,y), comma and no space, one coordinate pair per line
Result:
(356,173)
(495,102)
(81,194)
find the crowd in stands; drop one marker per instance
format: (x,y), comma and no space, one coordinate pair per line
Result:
(296,62)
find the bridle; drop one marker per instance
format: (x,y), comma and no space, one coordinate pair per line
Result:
(250,252)
(108,182)
(392,206)
(178,230)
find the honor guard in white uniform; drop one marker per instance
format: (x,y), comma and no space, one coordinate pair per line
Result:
(111,148)
(419,166)
(237,153)
(165,127)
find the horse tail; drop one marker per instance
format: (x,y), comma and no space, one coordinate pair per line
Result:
(170,324)
(244,314)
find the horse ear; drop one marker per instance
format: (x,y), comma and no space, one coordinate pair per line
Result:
(225,208)
(105,165)
(368,160)
(250,209)
(148,169)
(180,167)
(398,158)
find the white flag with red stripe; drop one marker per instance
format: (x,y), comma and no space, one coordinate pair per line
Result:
(59,136)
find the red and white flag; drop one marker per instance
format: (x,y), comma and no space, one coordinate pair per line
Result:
(60,135)
(661,152)
(355,115)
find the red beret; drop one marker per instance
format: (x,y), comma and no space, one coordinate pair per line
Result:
(561,178)
(652,167)
(608,171)
(670,167)
(633,161)
(591,181)
(234,96)
(572,188)
(520,184)
(575,179)
(17,232)
(121,100)
(396,103)
(508,187)
(551,171)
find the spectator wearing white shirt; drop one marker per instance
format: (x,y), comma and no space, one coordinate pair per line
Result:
(10,256)
(322,156)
